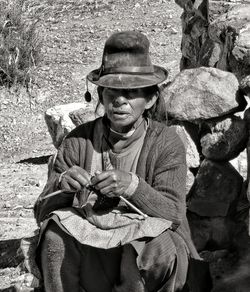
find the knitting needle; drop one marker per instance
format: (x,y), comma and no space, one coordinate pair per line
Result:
(133,207)
(121,197)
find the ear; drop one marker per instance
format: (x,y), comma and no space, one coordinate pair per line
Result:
(151,101)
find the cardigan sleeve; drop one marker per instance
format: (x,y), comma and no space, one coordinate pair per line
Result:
(67,156)
(164,196)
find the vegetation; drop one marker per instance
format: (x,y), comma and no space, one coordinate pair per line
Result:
(19,44)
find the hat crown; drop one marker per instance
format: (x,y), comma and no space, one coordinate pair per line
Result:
(126,63)
(127,48)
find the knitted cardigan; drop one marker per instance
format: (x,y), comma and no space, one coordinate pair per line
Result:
(161,170)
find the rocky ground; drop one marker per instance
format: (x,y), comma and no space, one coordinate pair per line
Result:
(73,34)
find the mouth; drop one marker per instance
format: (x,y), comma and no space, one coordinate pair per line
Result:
(120,114)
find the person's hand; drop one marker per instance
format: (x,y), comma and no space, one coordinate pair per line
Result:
(74,179)
(112,183)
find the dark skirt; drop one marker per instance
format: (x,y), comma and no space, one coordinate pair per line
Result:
(68,265)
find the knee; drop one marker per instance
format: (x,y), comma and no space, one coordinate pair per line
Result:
(159,252)
(53,237)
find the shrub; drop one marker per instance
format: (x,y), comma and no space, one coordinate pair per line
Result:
(19,44)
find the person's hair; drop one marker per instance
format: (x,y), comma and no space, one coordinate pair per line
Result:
(157,112)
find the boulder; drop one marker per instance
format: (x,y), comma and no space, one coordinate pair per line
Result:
(202,93)
(231,31)
(216,34)
(59,122)
(196,46)
(81,115)
(192,154)
(224,139)
(216,189)
(211,232)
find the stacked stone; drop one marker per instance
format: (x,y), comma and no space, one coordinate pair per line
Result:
(216,41)
(204,105)
(215,37)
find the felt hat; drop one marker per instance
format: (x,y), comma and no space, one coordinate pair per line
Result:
(126,63)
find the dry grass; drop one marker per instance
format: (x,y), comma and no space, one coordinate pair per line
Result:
(19,44)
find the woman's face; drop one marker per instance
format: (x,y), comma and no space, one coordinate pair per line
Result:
(124,107)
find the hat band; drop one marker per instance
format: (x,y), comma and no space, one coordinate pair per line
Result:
(128,70)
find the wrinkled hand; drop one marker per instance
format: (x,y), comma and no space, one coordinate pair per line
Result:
(112,183)
(75,179)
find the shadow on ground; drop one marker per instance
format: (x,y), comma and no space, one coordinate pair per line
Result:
(36,160)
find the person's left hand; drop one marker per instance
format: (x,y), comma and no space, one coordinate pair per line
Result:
(112,183)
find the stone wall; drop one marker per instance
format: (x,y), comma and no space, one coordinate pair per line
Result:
(210,94)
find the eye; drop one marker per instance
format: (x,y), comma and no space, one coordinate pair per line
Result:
(131,93)
(130,96)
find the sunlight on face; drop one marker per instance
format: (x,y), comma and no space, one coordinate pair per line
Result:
(124,107)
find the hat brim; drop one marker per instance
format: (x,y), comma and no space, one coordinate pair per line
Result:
(127,81)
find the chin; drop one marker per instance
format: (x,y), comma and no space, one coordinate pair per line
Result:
(121,126)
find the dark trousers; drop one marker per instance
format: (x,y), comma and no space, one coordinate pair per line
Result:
(69,266)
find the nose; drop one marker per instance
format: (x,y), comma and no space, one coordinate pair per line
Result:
(120,100)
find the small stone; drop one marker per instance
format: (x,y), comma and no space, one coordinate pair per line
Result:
(38,184)
(18,207)
(7,205)
(29,207)
(22,214)
(173,31)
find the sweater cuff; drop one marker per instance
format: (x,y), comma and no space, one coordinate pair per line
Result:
(133,185)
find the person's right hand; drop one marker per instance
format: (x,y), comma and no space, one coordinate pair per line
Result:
(74,179)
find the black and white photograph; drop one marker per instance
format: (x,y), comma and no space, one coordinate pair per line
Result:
(124,146)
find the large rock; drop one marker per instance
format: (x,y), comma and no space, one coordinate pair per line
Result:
(216,34)
(202,93)
(59,122)
(192,154)
(224,140)
(211,232)
(216,188)
(196,47)
(194,30)
(232,32)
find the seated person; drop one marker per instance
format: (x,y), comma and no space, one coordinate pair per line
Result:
(113,212)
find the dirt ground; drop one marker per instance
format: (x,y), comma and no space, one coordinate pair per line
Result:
(73,34)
